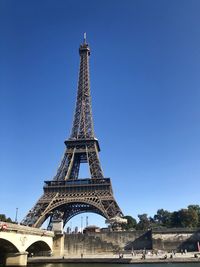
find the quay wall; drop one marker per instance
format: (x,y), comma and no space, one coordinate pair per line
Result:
(126,241)
(176,239)
(109,242)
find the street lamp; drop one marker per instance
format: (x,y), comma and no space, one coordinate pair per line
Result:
(16,215)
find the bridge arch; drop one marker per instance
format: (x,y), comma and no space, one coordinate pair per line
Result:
(6,247)
(39,248)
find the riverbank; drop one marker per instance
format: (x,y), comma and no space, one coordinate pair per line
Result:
(167,258)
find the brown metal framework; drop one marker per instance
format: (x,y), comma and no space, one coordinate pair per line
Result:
(67,195)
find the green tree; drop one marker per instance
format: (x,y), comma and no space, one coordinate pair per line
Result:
(189,218)
(184,218)
(131,223)
(175,219)
(144,222)
(196,208)
(3,218)
(163,218)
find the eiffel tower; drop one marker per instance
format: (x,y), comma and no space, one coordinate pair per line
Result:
(66,195)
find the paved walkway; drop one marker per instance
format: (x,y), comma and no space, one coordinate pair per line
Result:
(139,255)
(126,258)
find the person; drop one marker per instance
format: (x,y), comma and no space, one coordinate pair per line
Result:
(143,256)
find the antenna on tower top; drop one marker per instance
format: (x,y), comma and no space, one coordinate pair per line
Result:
(84,37)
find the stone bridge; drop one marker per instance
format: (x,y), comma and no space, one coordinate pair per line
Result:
(18,241)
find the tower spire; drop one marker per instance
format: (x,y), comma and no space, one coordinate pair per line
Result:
(83,122)
(84,37)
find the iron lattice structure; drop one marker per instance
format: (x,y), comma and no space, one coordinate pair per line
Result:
(67,195)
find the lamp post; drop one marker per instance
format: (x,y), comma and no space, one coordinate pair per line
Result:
(81,224)
(86,221)
(16,215)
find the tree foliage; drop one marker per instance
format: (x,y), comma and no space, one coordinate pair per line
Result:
(131,223)
(144,222)
(183,218)
(196,208)
(162,217)
(3,218)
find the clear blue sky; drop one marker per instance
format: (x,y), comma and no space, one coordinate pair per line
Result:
(145,82)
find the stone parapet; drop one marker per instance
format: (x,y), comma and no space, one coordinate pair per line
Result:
(9,227)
